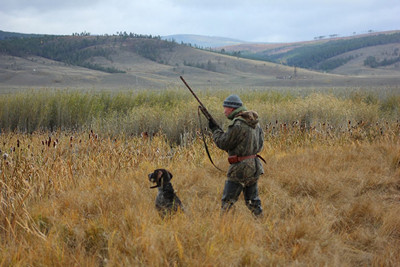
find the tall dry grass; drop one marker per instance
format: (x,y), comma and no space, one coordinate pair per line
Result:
(83,199)
(174,111)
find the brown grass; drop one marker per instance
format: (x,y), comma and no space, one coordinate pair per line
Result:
(86,201)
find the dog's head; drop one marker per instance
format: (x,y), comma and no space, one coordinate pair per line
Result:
(160,177)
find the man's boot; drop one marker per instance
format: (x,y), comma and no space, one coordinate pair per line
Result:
(230,195)
(252,200)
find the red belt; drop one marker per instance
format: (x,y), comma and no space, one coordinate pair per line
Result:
(236,159)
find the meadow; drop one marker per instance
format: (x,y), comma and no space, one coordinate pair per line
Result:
(75,192)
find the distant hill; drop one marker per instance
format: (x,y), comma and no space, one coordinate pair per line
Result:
(130,61)
(8,35)
(328,54)
(202,41)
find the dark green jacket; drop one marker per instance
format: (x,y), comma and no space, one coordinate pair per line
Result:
(243,137)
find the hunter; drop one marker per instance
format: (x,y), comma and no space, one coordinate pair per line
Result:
(243,139)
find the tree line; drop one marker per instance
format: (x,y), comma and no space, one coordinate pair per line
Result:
(372,62)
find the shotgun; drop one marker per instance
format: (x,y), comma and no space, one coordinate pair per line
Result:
(208,116)
(201,106)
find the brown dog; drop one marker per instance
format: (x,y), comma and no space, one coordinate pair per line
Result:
(167,202)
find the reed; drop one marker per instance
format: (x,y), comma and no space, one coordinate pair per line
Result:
(174,111)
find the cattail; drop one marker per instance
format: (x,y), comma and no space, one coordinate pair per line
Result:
(17,142)
(144,135)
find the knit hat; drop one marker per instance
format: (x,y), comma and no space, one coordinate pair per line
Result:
(233,101)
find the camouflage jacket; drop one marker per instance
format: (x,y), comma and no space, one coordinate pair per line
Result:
(243,137)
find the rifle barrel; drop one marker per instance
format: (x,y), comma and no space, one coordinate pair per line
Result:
(202,107)
(190,89)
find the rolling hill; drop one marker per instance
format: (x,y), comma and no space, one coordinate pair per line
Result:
(132,61)
(331,55)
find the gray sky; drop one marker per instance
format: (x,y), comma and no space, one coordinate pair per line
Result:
(247,20)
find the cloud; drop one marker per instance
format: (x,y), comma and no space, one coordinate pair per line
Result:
(252,20)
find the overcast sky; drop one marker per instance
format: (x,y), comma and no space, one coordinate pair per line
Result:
(247,20)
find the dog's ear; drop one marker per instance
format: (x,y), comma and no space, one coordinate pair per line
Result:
(159,178)
(159,174)
(170,175)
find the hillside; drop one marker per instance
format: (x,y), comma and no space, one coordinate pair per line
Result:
(377,51)
(137,61)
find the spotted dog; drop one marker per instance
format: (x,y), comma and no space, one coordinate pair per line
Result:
(167,202)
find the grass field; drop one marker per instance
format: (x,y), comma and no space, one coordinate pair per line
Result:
(79,195)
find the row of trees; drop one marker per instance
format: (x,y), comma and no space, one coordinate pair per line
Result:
(334,35)
(332,64)
(372,62)
(206,66)
(152,49)
(323,36)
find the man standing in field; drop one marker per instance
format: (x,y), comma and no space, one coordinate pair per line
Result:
(243,139)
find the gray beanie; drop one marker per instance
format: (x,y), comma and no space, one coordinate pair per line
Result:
(233,101)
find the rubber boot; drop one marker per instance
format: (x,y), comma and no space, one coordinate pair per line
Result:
(252,200)
(230,195)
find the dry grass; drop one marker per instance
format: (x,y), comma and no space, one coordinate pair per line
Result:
(84,200)
(174,111)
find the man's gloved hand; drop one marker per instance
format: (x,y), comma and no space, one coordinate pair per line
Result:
(212,125)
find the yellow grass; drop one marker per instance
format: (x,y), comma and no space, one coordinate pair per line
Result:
(84,200)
